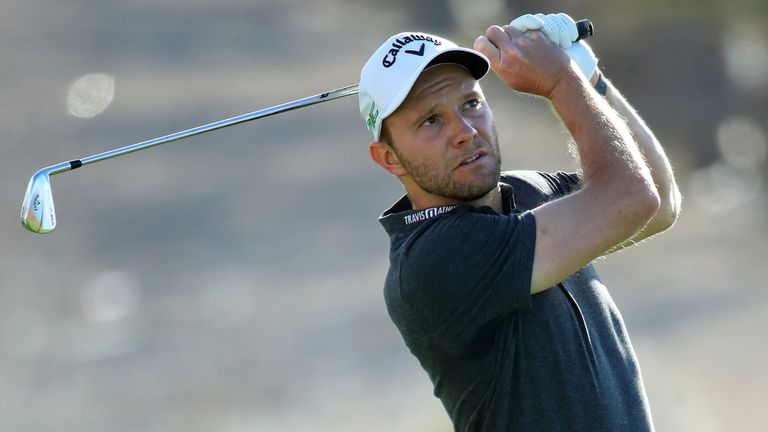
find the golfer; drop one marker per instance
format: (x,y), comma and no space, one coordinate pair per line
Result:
(490,282)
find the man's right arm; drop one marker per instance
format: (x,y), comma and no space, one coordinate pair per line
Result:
(617,197)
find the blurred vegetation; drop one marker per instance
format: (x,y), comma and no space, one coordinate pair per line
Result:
(232,282)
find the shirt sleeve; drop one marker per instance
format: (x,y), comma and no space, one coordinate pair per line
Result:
(463,272)
(561,183)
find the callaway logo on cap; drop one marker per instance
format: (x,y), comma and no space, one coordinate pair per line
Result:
(387,77)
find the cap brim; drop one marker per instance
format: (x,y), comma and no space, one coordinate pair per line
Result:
(476,64)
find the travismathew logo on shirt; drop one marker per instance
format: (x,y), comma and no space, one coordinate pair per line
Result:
(391,56)
(425,214)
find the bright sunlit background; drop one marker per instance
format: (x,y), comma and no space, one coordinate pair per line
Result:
(232,282)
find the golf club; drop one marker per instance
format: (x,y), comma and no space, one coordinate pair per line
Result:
(37,211)
(39,215)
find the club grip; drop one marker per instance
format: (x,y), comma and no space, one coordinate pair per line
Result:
(585,28)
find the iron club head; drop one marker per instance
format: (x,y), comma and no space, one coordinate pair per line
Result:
(37,212)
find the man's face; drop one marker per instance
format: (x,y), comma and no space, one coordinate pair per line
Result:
(444,136)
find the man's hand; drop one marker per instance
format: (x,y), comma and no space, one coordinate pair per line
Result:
(561,29)
(526,61)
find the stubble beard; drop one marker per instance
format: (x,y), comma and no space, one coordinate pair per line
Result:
(441,181)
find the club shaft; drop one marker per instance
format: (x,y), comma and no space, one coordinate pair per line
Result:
(585,30)
(288,106)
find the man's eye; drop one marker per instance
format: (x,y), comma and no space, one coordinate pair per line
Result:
(429,121)
(473,103)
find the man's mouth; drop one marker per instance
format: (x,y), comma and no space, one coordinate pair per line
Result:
(475,157)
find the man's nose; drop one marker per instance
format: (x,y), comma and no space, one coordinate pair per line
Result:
(463,132)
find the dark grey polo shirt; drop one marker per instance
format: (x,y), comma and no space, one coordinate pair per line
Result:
(501,359)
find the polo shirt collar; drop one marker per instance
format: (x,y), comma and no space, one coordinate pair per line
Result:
(402,215)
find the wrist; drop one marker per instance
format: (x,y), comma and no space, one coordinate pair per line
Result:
(571,81)
(594,77)
(600,85)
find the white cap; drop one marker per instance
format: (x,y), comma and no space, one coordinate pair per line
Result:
(387,77)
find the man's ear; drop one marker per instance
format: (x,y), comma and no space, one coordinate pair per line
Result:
(382,154)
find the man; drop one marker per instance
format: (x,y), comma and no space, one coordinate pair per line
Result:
(489,282)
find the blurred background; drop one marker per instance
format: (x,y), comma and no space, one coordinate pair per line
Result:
(232,282)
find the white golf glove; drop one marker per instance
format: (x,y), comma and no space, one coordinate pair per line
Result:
(561,29)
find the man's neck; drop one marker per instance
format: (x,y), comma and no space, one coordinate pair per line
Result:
(492,199)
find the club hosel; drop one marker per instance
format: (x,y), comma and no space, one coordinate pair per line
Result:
(60,167)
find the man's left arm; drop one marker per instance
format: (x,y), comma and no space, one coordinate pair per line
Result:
(656,158)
